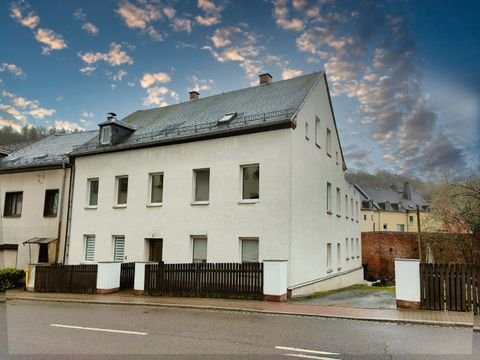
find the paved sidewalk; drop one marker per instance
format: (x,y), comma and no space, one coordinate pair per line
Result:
(439,318)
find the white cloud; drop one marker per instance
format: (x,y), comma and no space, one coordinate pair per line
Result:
(119,75)
(150,79)
(281,14)
(291,73)
(90,28)
(156,96)
(138,16)
(67,125)
(41,113)
(52,40)
(212,14)
(13,69)
(87,114)
(200,84)
(114,57)
(29,20)
(154,34)
(169,12)
(206,5)
(5,122)
(179,24)
(207,20)
(79,14)
(222,37)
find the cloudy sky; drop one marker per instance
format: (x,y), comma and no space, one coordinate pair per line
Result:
(404,75)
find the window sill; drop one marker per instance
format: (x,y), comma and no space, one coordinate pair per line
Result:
(346,217)
(357,221)
(194,203)
(339,216)
(154,205)
(90,207)
(358,257)
(318,146)
(329,155)
(119,206)
(249,201)
(339,269)
(12,216)
(347,259)
(329,271)
(49,216)
(329,212)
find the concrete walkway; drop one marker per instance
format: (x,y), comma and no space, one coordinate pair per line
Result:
(439,318)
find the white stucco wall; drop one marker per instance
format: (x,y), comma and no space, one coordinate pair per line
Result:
(32,223)
(311,226)
(224,220)
(407,279)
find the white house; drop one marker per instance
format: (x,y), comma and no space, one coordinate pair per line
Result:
(34,188)
(248,175)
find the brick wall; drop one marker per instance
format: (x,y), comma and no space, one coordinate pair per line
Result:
(380,249)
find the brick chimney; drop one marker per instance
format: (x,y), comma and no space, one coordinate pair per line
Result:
(407,191)
(194,95)
(265,78)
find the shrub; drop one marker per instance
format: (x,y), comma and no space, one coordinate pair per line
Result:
(11,278)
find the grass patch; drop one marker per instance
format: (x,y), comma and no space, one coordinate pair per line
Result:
(390,289)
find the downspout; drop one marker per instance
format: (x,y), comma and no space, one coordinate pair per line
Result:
(69,209)
(60,216)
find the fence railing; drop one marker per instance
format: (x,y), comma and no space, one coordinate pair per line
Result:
(80,279)
(454,287)
(222,280)
(127,275)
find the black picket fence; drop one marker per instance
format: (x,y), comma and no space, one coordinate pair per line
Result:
(80,279)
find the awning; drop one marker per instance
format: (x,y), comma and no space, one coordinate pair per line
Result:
(39,240)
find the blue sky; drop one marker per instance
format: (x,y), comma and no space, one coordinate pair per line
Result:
(403,74)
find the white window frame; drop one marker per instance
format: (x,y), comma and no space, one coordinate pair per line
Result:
(339,256)
(329,258)
(103,138)
(411,220)
(86,240)
(401,227)
(249,200)
(317,132)
(339,202)
(357,242)
(347,250)
(193,239)
(242,239)
(346,206)
(194,192)
(329,198)
(150,184)
(117,191)
(329,142)
(115,238)
(89,192)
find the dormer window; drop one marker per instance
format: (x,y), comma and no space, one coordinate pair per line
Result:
(227,118)
(106,135)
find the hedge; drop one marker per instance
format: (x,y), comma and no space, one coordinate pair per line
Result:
(11,278)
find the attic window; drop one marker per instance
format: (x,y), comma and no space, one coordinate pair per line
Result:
(227,118)
(105,135)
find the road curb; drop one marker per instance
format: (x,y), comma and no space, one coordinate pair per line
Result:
(257,311)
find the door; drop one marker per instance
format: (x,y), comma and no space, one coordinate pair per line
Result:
(156,250)
(43,253)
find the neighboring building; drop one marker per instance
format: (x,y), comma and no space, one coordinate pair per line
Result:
(393,209)
(5,150)
(245,176)
(34,189)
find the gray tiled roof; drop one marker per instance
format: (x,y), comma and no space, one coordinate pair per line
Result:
(381,195)
(52,150)
(255,106)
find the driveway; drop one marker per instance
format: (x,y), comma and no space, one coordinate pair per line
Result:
(356,298)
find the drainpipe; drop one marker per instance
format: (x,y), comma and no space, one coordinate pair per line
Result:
(69,210)
(418,234)
(60,215)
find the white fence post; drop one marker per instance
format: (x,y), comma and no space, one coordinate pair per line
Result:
(108,277)
(30,286)
(275,280)
(407,283)
(139,283)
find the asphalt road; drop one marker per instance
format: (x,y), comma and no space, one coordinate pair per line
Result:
(47,330)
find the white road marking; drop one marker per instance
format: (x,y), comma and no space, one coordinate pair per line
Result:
(306,350)
(98,329)
(310,357)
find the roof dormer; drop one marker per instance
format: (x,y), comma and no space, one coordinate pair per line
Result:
(114,131)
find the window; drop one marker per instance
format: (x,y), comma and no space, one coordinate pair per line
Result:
(336,157)
(329,141)
(385,226)
(401,227)
(89,247)
(347,251)
(13,203)
(329,197)
(92,192)
(329,257)
(122,190)
(339,256)
(105,135)
(202,184)
(307,135)
(317,131)
(119,248)
(410,220)
(365,217)
(156,188)
(352,248)
(249,250)
(356,210)
(199,249)
(339,202)
(346,206)
(351,208)
(51,203)
(250,182)
(357,247)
